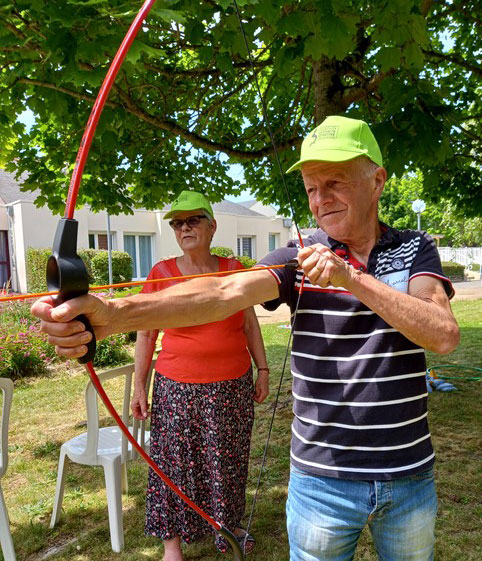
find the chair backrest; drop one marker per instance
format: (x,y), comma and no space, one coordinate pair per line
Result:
(6,387)
(92,408)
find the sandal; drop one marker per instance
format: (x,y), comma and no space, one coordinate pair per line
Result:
(246,541)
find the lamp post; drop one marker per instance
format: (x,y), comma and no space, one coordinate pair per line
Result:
(418,206)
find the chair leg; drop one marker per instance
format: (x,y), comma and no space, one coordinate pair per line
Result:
(124,482)
(6,541)
(113,476)
(59,488)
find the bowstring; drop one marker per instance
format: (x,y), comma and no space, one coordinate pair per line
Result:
(293,316)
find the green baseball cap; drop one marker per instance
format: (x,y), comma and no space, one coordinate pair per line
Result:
(338,139)
(189,200)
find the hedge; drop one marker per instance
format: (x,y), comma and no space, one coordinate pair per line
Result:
(121,267)
(453,270)
(98,272)
(222,251)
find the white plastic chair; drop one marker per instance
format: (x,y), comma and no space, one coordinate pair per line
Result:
(6,542)
(106,447)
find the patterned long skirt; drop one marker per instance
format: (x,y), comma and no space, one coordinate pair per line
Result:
(200,437)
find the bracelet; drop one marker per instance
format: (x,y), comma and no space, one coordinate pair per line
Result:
(263,369)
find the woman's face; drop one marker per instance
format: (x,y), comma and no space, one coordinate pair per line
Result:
(193,237)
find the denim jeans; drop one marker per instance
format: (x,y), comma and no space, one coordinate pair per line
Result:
(325,517)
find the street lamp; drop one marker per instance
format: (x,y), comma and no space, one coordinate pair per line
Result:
(418,206)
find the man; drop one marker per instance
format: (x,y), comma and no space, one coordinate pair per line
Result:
(373,298)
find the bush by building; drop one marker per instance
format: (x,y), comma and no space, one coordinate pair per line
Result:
(95,261)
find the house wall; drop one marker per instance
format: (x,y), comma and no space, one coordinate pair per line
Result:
(3,218)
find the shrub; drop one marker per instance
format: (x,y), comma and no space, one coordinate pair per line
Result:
(112,351)
(222,251)
(121,267)
(247,262)
(36,261)
(453,270)
(24,351)
(87,255)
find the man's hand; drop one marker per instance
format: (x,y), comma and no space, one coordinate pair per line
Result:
(323,267)
(68,336)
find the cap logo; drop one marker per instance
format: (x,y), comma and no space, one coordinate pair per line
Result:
(328,131)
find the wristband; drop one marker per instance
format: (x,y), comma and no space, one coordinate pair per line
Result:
(261,369)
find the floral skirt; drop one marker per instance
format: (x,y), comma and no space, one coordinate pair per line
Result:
(200,437)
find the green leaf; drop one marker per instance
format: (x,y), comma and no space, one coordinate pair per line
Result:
(224,62)
(388,57)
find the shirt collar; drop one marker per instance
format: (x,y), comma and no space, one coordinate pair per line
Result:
(388,237)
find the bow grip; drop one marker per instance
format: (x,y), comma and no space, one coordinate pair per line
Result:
(292,265)
(66,273)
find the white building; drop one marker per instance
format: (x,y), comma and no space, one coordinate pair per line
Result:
(144,235)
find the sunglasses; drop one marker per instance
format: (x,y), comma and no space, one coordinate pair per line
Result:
(191,221)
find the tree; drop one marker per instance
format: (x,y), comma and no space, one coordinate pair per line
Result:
(185,105)
(441,217)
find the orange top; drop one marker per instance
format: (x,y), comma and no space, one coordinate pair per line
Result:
(204,353)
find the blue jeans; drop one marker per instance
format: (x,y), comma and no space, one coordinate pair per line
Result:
(325,517)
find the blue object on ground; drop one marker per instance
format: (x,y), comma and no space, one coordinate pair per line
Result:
(438,384)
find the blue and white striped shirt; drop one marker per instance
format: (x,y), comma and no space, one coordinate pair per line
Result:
(360,398)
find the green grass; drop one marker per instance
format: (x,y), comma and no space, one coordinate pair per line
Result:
(47,411)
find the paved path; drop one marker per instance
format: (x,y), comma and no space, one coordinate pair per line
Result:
(463,291)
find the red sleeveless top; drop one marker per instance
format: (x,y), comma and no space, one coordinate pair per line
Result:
(212,352)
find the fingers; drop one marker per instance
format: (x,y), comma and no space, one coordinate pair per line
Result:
(42,308)
(261,389)
(322,266)
(70,309)
(140,407)
(71,352)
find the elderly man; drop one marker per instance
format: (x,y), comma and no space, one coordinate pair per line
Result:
(373,299)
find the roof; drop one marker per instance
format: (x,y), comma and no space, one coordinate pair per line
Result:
(10,190)
(248,204)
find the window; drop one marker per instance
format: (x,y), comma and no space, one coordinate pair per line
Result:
(4,259)
(99,241)
(273,242)
(247,246)
(139,247)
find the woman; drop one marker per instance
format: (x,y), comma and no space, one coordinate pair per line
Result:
(202,402)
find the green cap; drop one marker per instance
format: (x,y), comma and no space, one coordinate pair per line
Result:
(338,139)
(189,200)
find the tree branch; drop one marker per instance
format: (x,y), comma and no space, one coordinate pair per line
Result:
(197,140)
(355,93)
(67,91)
(455,59)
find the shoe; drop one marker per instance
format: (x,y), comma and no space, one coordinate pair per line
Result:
(246,541)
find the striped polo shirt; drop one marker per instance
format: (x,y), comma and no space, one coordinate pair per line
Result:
(360,398)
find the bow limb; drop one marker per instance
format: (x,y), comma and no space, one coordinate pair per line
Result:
(66,272)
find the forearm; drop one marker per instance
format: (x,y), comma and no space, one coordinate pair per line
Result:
(190,303)
(255,339)
(145,346)
(422,321)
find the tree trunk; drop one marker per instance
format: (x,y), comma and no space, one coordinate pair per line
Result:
(327,89)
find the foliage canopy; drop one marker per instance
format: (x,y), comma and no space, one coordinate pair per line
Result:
(185,105)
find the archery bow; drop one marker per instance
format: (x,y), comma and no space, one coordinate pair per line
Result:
(67,275)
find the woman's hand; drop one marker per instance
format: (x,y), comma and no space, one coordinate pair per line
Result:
(261,388)
(139,405)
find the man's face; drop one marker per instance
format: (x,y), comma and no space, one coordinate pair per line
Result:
(343,196)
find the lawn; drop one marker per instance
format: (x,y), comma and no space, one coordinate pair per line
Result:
(49,410)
